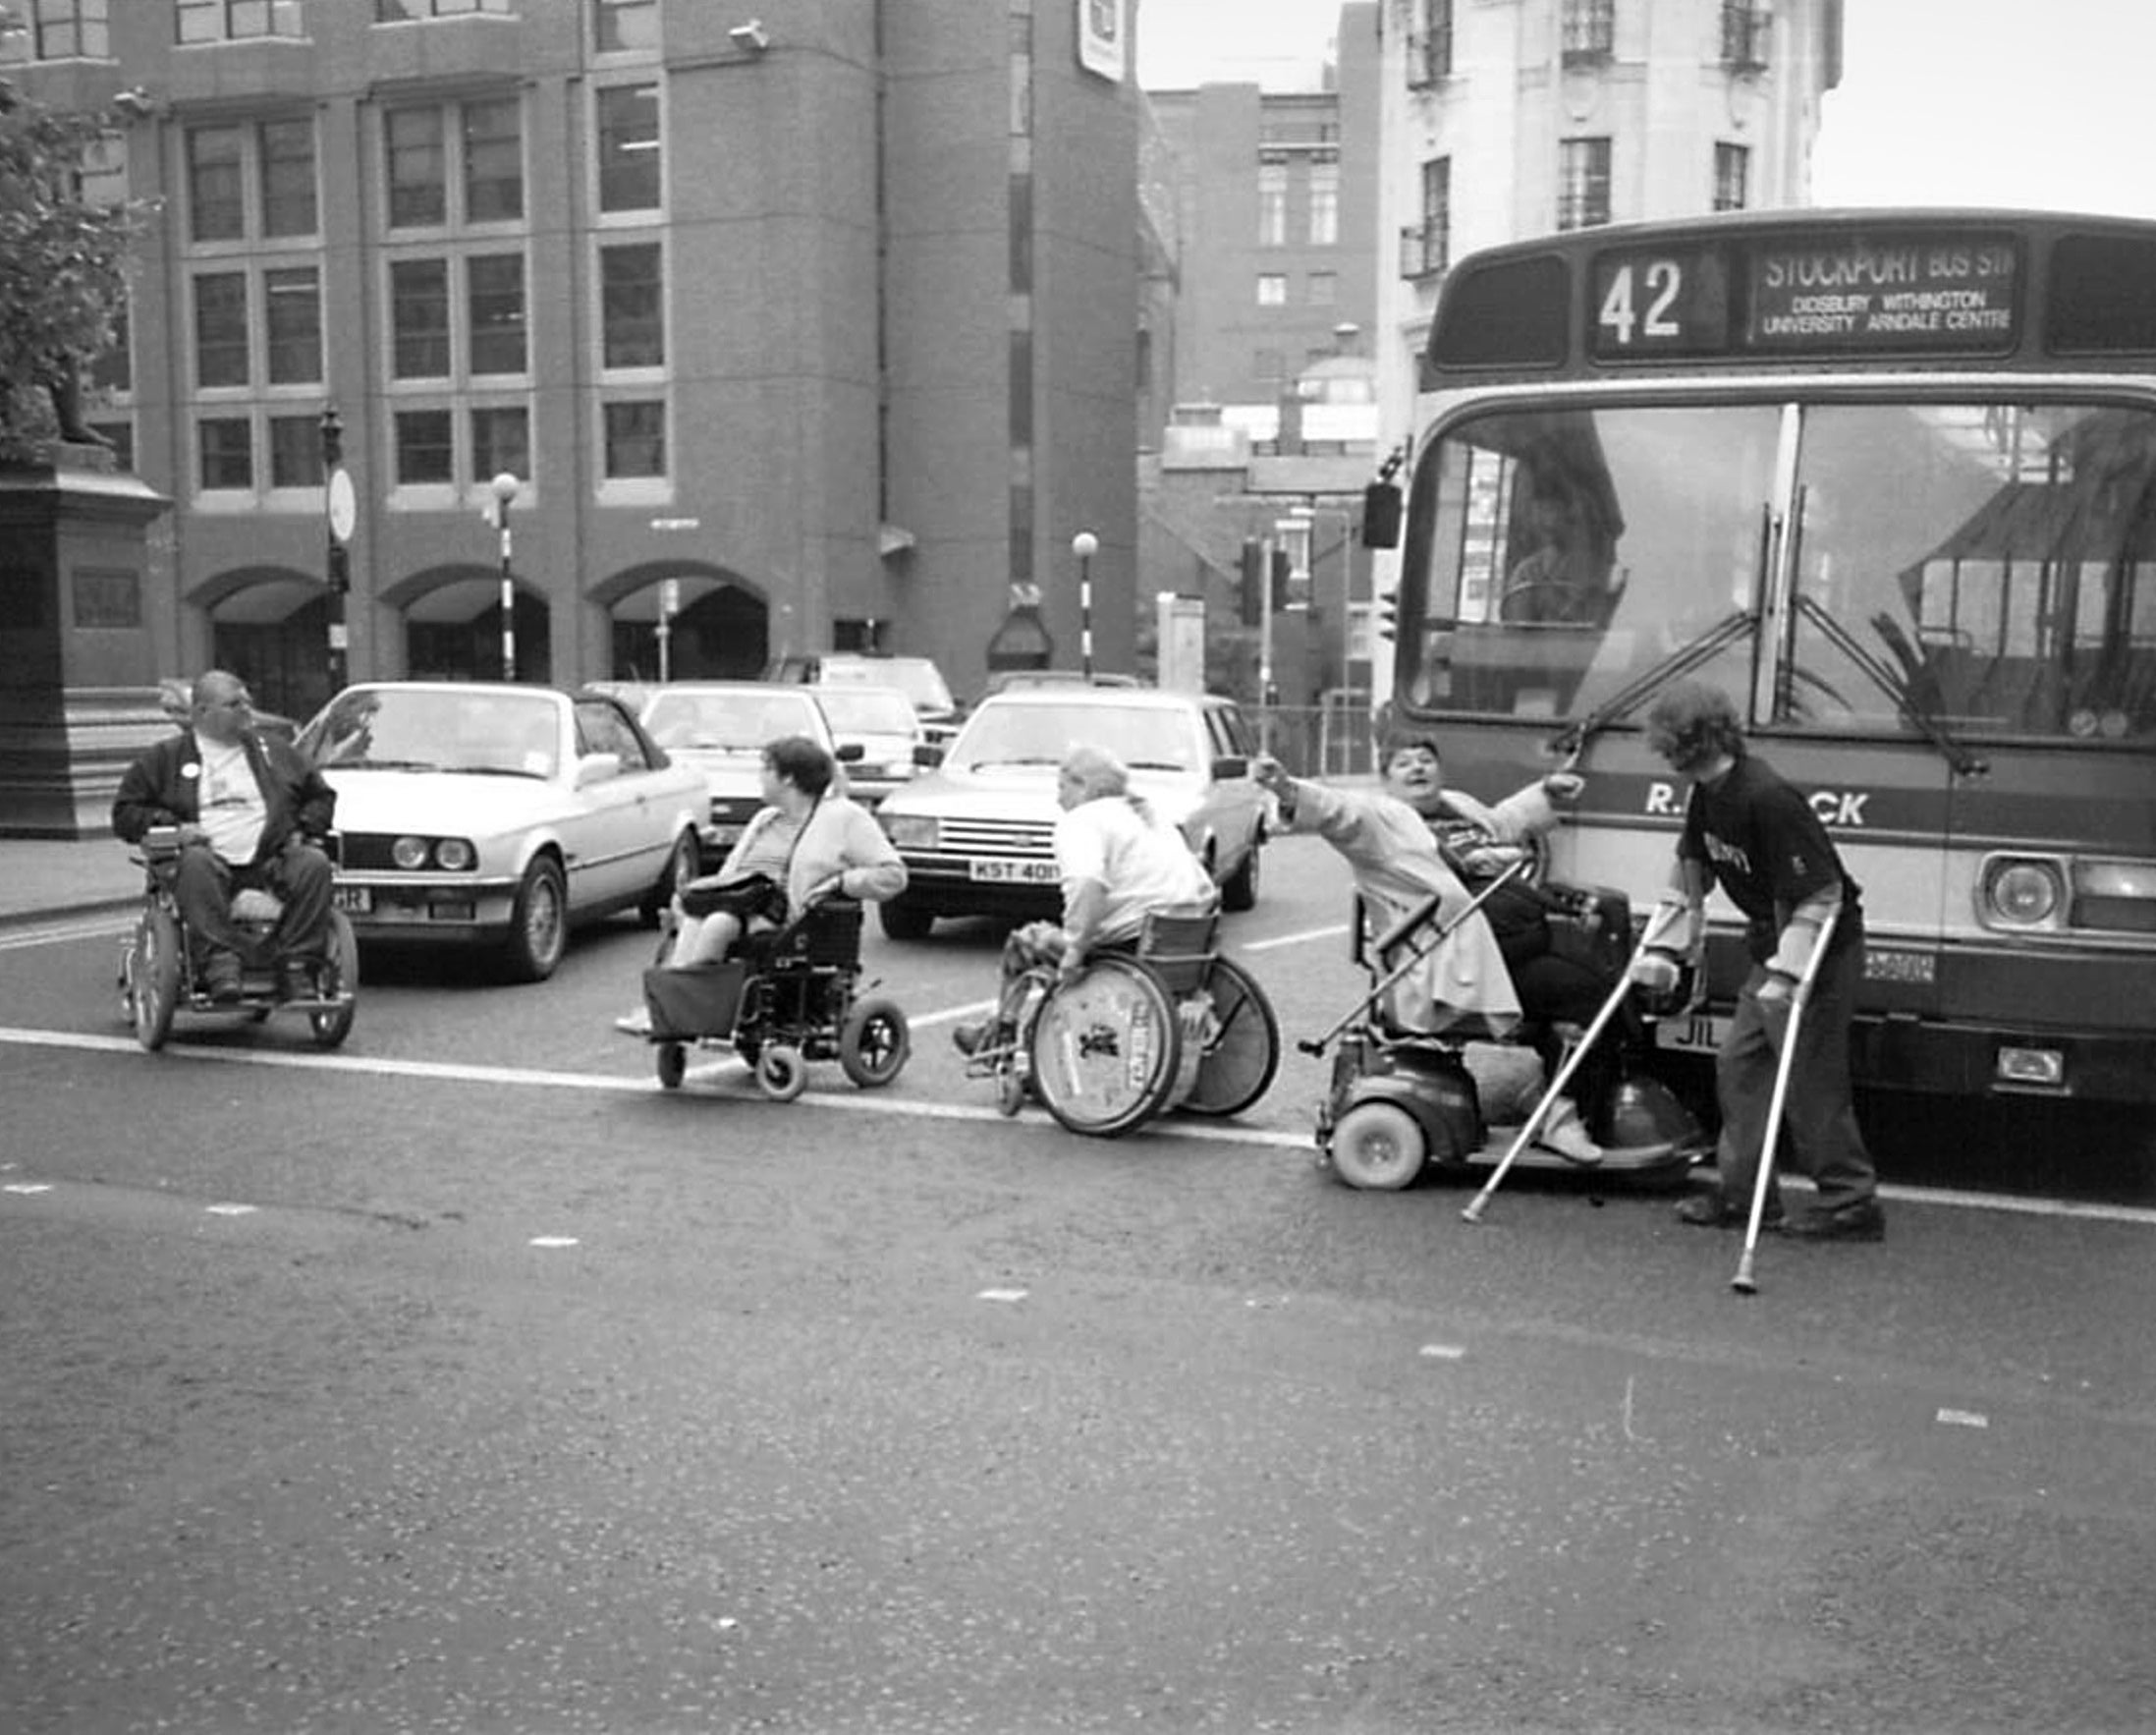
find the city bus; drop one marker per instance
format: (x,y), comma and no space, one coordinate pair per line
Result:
(1889,478)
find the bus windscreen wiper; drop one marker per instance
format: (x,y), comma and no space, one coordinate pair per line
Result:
(1964,763)
(1569,744)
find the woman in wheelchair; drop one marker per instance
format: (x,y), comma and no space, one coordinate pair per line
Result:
(1119,862)
(246,808)
(807,843)
(1391,841)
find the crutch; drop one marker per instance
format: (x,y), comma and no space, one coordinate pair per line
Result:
(1743,1282)
(1663,915)
(1420,914)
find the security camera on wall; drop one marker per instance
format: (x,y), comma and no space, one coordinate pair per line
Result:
(750,37)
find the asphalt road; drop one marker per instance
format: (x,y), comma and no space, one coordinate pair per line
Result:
(465,1380)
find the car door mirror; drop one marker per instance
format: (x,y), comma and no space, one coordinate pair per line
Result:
(927,755)
(1230,766)
(852,753)
(597,767)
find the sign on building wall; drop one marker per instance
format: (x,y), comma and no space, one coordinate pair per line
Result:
(1104,37)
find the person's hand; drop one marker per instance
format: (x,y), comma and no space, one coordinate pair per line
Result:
(1564,787)
(1269,773)
(1775,989)
(826,888)
(192,833)
(1072,960)
(1657,972)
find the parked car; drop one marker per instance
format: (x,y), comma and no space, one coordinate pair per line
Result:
(882,723)
(1005,680)
(721,728)
(498,815)
(977,830)
(918,677)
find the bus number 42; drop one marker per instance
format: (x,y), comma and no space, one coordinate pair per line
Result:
(1663,281)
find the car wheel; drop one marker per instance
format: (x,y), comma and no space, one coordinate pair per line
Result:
(539,923)
(682,863)
(1238,891)
(905,919)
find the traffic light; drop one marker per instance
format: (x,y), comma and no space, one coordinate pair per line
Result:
(1387,615)
(1249,600)
(1283,568)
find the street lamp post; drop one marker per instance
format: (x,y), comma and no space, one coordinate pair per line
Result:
(336,495)
(1085,546)
(505,490)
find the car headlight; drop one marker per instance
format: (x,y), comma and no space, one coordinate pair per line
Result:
(409,853)
(457,854)
(911,831)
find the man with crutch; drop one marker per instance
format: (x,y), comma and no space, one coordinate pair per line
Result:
(1752,833)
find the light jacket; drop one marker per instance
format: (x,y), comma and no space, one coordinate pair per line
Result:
(841,840)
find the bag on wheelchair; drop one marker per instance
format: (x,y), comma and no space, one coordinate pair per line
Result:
(747,898)
(702,1000)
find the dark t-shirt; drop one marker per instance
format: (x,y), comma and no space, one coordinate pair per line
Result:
(1762,844)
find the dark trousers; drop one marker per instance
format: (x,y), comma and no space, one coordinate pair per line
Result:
(301,878)
(1820,1137)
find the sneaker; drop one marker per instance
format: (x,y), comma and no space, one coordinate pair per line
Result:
(1710,1210)
(970,1039)
(1568,1139)
(1859,1221)
(221,976)
(635,1024)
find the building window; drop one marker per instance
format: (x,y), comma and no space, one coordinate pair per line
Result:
(636,439)
(1732,176)
(418,318)
(227,450)
(276,159)
(1588,30)
(397,12)
(1583,182)
(286,150)
(221,329)
(425,450)
(623,26)
(292,313)
(1272,205)
(1426,249)
(1324,288)
(494,285)
(631,313)
(59,30)
(501,439)
(112,368)
(216,190)
(235,20)
(1324,228)
(294,452)
(494,168)
(1746,29)
(1430,48)
(1272,289)
(629,157)
(487,137)
(418,197)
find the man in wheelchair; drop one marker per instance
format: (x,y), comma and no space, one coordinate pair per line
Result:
(247,807)
(1395,841)
(1119,862)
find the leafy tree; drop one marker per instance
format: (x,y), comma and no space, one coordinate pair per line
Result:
(63,262)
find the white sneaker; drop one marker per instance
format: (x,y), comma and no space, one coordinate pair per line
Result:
(635,1024)
(1568,1139)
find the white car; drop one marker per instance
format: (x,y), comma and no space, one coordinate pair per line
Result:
(499,816)
(722,727)
(882,723)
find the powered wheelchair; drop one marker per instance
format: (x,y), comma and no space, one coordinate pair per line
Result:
(783,997)
(158,977)
(1169,1024)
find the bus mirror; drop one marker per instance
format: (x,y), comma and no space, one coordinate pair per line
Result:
(1381,516)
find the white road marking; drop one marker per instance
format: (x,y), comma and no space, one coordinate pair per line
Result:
(1001,1295)
(53,933)
(879,1103)
(230,1210)
(1965,1419)
(554,1241)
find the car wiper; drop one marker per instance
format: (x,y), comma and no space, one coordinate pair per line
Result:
(1570,743)
(1964,763)
(982,764)
(381,765)
(1156,766)
(494,771)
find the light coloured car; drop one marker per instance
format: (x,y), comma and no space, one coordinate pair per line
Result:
(882,723)
(722,727)
(918,677)
(489,815)
(977,832)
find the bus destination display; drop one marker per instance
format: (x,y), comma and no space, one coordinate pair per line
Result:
(1934,292)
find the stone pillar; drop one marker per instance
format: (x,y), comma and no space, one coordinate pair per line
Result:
(79,640)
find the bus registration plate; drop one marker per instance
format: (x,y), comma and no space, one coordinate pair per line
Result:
(1696,1033)
(1013,873)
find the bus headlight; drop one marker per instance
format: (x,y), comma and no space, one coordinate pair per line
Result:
(2022,892)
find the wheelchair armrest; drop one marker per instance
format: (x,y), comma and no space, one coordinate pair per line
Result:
(160,843)
(1422,914)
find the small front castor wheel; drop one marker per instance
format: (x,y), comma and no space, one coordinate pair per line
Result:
(781,1073)
(1378,1146)
(673,1065)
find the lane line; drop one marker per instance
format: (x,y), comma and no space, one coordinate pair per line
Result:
(874,1102)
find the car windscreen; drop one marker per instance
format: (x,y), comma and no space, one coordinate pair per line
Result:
(917,678)
(728,722)
(390,729)
(1149,738)
(865,710)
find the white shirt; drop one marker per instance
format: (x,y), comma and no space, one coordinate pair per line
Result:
(229,801)
(1143,864)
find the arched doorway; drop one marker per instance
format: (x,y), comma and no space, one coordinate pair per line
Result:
(453,628)
(719,630)
(270,627)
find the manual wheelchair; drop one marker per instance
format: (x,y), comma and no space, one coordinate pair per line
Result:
(1401,1101)
(782,998)
(1169,1024)
(158,977)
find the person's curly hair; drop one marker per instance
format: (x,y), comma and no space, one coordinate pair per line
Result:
(1693,723)
(801,762)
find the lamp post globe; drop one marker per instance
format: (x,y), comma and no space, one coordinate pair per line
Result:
(1085,546)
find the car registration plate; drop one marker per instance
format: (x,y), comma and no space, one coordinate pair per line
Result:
(1014,872)
(353,899)
(1694,1033)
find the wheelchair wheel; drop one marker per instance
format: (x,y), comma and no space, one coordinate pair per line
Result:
(340,982)
(1010,1088)
(1378,1146)
(673,1061)
(1106,1049)
(781,1073)
(153,977)
(874,1042)
(1240,1062)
